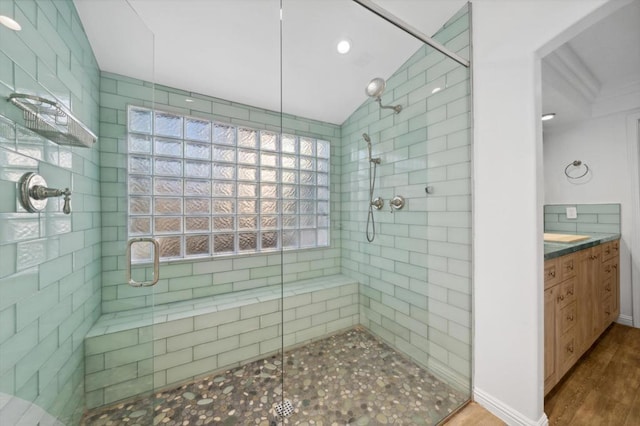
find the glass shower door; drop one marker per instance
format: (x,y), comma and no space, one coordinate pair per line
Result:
(377,324)
(216,333)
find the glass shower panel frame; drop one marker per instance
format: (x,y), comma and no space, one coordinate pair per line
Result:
(215,318)
(119,348)
(224,352)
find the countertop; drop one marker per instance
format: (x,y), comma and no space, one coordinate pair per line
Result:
(553,250)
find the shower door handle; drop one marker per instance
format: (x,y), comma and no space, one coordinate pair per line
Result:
(156,262)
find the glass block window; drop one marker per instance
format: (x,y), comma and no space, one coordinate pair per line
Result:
(204,189)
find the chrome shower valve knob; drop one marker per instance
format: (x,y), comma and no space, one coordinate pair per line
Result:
(34,193)
(396,203)
(377,203)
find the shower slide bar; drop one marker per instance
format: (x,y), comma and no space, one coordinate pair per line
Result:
(156,262)
(384,14)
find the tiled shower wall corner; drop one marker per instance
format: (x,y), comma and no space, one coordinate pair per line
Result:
(49,261)
(591,218)
(416,276)
(185,280)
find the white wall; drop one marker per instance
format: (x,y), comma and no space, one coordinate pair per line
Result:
(601,143)
(508,39)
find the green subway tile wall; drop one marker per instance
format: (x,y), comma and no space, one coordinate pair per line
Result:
(193,279)
(192,339)
(415,278)
(59,273)
(591,218)
(49,262)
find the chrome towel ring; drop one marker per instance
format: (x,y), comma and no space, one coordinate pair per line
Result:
(577,164)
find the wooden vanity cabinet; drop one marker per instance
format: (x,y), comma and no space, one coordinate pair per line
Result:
(550,338)
(560,318)
(609,306)
(588,277)
(581,299)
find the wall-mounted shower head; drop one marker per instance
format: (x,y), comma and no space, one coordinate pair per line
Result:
(375,89)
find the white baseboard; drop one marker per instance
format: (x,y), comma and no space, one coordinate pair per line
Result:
(625,320)
(506,413)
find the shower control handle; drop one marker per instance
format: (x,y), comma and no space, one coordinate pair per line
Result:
(396,203)
(34,193)
(39,192)
(377,203)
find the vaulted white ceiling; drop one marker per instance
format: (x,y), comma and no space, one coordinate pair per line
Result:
(232,49)
(599,64)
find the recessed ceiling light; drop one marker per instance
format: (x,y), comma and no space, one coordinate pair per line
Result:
(344,46)
(548,116)
(9,23)
(436,90)
(188,100)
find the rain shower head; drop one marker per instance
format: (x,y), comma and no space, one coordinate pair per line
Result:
(375,89)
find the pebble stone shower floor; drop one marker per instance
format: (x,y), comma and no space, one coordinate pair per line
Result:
(350,378)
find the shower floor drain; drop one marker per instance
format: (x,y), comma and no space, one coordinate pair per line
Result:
(284,408)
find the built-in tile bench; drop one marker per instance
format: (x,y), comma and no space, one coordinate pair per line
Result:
(132,352)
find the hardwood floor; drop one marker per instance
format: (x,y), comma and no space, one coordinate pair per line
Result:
(474,415)
(603,388)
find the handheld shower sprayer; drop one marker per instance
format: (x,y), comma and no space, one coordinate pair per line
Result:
(368,140)
(375,89)
(378,202)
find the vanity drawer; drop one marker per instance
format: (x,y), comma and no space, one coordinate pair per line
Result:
(607,270)
(552,274)
(608,251)
(607,288)
(568,266)
(568,318)
(607,312)
(615,247)
(567,352)
(567,292)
